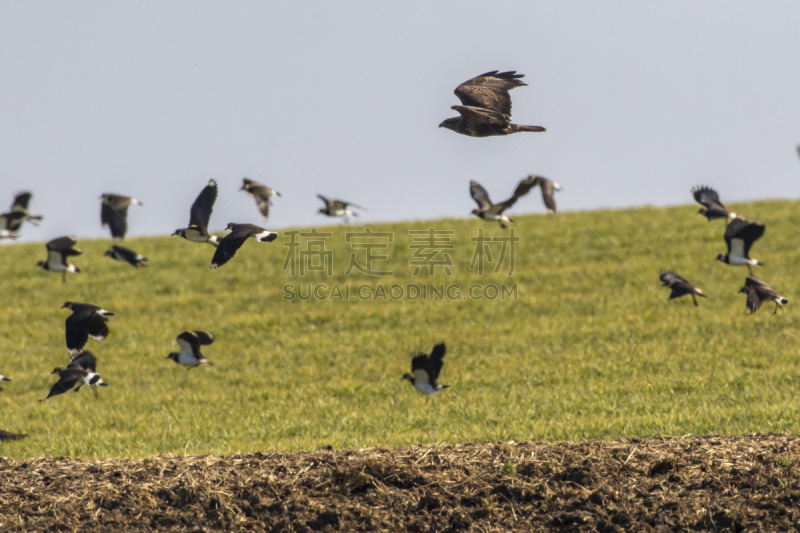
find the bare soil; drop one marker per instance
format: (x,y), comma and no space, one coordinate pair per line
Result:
(746,483)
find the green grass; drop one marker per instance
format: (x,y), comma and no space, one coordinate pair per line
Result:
(591,348)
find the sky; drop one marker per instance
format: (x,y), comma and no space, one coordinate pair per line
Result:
(641,100)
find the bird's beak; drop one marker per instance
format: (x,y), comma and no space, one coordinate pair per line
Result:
(441,124)
(63,306)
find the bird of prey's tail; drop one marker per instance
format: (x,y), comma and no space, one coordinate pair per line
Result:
(516,127)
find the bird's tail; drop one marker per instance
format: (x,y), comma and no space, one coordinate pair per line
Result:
(700,293)
(134,201)
(784,301)
(34,219)
(518,127)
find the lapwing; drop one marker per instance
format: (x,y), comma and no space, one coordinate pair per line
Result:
(548,187)
(235,239)
(57,252)
(120,253)
(709,199)
(338,208)
(190,342)
(11,222)
(261,193)
(757,292)
(86,321)
(114,213)
(740,236)
(494,212)
(4,378)
(200,215)
(425,371)
(486,106)
(680,287)
(82,370)
(7,435)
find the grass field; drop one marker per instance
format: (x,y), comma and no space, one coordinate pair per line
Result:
(591,348)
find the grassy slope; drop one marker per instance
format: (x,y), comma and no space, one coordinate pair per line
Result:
(592,349)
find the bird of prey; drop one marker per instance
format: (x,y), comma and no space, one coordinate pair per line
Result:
(57,252)
(4,378)
(120,253)
(200,215)
(190,342)
(757,292)
(82,370)
(261,193)
(680,287)
(491,212)
(235,239)
(425,370)
(740,236)
(86,320)
(11,222)
(486,106)
(709,199)
(547,186)
(338,208)
(114,213)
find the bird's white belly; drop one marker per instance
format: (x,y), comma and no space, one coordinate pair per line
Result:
(424,388)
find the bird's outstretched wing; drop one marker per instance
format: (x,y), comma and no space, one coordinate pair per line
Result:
(477,115)
(200,213)
(480,196)
(668,278)
(490,91)
(21,202)
(707,197)
(435,362)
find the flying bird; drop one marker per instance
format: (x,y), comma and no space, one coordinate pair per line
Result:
(491,212)
(120,253)
(114,213)
(11,222)
(261,193)
(86,320)
(200,215)
(425,370)
(190,342)
(486,108)
(757,292)
(235,239)
(7,435)
(4,378)
(680,287)
(709,199)
(337,208)
(58,250)
(82,370)
(740,236)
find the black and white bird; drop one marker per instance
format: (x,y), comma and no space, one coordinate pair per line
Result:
(740,236)
(680,287)
(486,106)
(425,370)
(712,207)
(82,370)
(338,208)
(58,250)
(235,239)
(548,187)
(11,222)
(494,212)
(758,292)
(86,321)
(4,378)
(190,343)
(114,213)
(261,193)
(199,216)
(120,253)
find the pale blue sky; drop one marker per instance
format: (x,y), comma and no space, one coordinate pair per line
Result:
(641,99)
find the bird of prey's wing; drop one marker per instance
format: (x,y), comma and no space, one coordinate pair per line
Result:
(480,196)
(470,115)
(202,206)
(21,202)
(490,91)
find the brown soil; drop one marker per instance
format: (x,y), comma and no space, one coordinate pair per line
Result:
(747,483)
